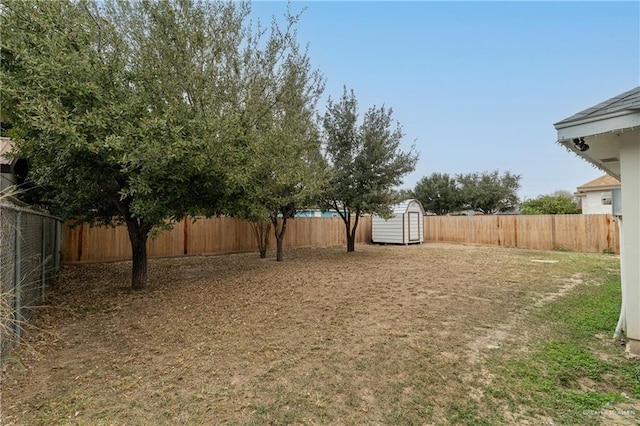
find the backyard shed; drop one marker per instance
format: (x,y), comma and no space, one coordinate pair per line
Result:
(405,226)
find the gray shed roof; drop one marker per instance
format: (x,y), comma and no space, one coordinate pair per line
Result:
(627,101)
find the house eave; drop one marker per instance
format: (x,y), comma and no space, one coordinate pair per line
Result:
(610,123)
(568,144)
(581,190)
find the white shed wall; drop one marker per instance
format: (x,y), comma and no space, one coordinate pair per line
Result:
(413,234)
(405,227)
(387,231)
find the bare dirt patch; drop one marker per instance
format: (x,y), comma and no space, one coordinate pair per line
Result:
(323,337)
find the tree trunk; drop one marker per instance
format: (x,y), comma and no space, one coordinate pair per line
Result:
(351,245)
(279,252)
(350,232)
(138,234)
(351,235)
(346,219)
(261,232)
(279,235)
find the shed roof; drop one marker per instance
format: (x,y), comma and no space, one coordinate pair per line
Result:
(402,207)
(627,101)
(603,182)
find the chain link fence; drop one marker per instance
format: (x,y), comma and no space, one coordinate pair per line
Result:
(30,243)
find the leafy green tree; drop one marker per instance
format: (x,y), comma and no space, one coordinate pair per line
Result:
(439,193)
(366,161)
(489,192)
(123,108)
(404,194)
(282,158)
(560,202)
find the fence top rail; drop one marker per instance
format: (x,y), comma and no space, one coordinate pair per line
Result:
(9,206)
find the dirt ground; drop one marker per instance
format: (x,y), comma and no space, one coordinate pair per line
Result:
(323,337)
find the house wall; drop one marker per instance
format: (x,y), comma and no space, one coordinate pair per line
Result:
(630,243)
(309,213)
(330,213)
(592,203)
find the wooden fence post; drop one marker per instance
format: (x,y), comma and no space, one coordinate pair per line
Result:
(80,232)
(185,234)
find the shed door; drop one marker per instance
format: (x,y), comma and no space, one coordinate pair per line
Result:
(414,226)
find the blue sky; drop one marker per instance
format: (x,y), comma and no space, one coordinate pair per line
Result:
(477,86)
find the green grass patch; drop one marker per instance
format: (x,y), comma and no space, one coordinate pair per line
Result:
(576,371)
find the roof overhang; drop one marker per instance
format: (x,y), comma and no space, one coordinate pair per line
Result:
(602,124)
(602,133)
(580,190)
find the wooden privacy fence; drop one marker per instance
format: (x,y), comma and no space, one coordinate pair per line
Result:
(583,233)
(204,236)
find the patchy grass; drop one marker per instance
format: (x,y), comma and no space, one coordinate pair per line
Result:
(574,373)
(432,334)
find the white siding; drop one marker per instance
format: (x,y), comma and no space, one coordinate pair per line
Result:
(592,203)
(406,226)
(387,230)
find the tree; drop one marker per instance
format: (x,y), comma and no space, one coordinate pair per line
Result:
(366,161)
(489,192)
(404,194)
(439,193)
(282,159)
(560,202)
(122,107)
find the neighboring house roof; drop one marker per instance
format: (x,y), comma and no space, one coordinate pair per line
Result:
(627,101)
(604,182)
(6,145)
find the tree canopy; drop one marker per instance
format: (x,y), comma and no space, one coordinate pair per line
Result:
(140,112)
(439,193)
(489,192)
(366,162)
(560,202)
(283,164)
